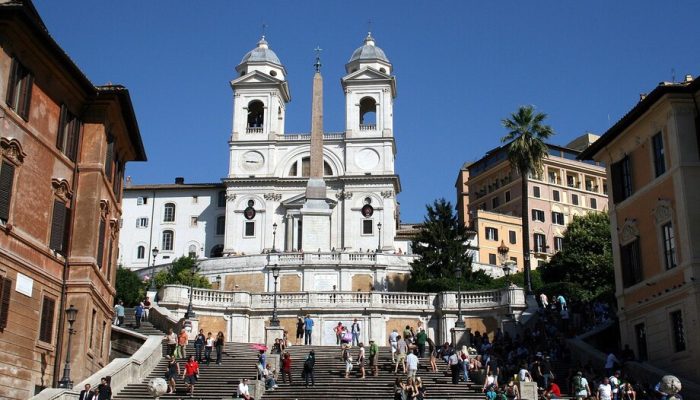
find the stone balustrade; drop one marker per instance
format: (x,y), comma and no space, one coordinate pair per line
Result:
(178,296)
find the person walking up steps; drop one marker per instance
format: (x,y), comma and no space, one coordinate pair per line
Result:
(361,359)
(393,340)
(401,348)
(374,357)
(412,363)
(348,360)
(287,367)
(309,365)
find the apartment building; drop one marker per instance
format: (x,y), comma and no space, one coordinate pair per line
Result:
(653,158)
(566,187)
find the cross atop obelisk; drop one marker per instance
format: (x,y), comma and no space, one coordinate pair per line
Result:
(316,187)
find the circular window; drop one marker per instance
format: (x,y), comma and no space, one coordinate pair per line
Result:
(273,73)
(368,200)
(249,213)
(367,211)
(251,203)
(382,70)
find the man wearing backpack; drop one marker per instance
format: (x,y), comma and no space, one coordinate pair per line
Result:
(374,357)
(580,385)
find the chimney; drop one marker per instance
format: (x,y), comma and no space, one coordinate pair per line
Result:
(688,78)
(179,180)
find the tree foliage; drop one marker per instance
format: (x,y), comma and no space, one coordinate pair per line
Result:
(180,273)
(584,267)
(443,249)
(130,288)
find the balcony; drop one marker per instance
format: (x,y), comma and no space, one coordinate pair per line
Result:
(253,130)
(368,127)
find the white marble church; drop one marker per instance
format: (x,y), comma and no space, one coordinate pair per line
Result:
(313,215)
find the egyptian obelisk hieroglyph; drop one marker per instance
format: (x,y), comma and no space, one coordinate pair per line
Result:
(316,212)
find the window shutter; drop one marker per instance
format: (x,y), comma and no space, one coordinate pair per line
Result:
(66,230)
(62,121)
(7,178)
(58,224)
(73,139)
(109,157)
(27,96)
(5,293)
(101,244)
(12,85)
(47,315)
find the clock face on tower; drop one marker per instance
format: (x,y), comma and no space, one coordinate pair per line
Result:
(252,160)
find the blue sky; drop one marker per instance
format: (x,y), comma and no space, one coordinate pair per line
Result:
(461,66)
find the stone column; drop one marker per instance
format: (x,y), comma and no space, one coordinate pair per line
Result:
(289,233)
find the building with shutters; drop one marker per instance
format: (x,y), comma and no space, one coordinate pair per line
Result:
(64,143)
(653,159)
(567,187)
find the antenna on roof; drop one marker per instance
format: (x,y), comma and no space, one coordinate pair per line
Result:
(264,26)
(673,75)
(369,25)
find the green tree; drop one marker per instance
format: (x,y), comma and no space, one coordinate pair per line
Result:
(527,148)
(180,273)
(130,288)
(584,267)
(443,249)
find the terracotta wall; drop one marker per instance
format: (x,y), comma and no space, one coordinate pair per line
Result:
(362,282)
(290,283)
(245,282)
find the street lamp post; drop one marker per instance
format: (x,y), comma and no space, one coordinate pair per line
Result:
(65,382)
(274,236)
(190,313)
(460,320)
(218,282)
(275,274)
(154,252)
(379,238)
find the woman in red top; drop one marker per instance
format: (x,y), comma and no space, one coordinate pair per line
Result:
(190,374)
(287,367)
(552,392)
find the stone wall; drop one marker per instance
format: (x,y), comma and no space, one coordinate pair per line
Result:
(397,282)
(399,324)
(245,282)
(212,324)
(290,283)
(483,325)
(362,282)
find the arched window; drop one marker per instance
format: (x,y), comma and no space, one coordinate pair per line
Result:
(306,168)
(217,251)
(168,237)
(220,225)
(192,251)
(141,252)
(256,114)
(368,113)
(169,212)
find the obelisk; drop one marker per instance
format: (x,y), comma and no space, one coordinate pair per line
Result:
(316,212)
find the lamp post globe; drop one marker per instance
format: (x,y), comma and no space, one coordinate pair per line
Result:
(274,237)
(379,237)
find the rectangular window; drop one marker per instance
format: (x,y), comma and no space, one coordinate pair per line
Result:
(536,191)
(512,237)
(142,222)
(141,201)
(193,222)
(659,156)
(68,134)
(47,317)
(5,295)
(555,195)
(19,89)
(540,243)
(59,227)
(507,196)
(631,261)
(221,199)
(195,199)
(621,173)
(640,333)
(7,179)
(169,212)
(678,331)
(594,204)
(492,259)
(367,227)
(574,199)
(495,202)
(168,237)
(491,233)
(101,244)
(558,243)
(557,218)
(538,215)
(92,329)
(220,225)
(249,229)
(669,245)
(109,157)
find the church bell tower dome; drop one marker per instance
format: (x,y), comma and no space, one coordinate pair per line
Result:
(368,55)
(262,59)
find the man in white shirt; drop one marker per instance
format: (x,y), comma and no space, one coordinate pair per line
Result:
(412,363)
(604,390)
(615,385)
(243,390)
(393,338)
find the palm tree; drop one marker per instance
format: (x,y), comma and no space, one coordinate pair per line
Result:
(526,150)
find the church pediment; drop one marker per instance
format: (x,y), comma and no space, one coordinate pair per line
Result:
(366,73)
(256,77)
(299,200)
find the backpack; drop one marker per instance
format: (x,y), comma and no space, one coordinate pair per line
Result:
(309,364)
(578,383)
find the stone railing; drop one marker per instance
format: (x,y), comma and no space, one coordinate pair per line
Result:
(307,136)
(219,265)
(368,127)
(122,370)
(253,130)
(178,296)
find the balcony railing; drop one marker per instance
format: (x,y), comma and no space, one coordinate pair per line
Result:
(368,127)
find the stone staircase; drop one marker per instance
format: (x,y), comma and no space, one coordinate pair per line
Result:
(146,327)
(331,383)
